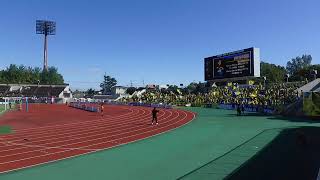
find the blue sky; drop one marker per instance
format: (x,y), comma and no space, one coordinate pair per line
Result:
(161,41)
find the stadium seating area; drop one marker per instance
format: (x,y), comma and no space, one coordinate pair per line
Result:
(44,91)
(28,91)
(14,90)
(252,97)
(3,89)
(55,91)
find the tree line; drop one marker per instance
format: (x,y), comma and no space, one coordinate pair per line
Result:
(20,74)
(297,69)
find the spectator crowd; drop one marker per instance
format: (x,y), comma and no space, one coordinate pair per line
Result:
(273,96)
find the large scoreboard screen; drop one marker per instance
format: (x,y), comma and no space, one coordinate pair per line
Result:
(236,64)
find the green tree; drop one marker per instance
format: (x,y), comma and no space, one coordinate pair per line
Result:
(12,74)
(54,76)
(29,75)
(1,76)
(297,66)
(197,88)
(90,92)
(51,76)
(309,72)
(172,88)
(316,67)
(36,75)
(44,77)
(107,83)
(201,88)
(272,72)
(192,87)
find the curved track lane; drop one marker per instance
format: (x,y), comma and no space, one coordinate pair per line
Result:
(58,132)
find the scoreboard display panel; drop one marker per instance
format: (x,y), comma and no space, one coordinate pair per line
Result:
(243,63)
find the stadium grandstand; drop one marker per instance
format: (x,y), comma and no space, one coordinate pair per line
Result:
(275,98)
(61,93)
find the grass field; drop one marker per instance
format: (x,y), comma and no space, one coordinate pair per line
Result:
(1,108)
(4,129)
(214,139)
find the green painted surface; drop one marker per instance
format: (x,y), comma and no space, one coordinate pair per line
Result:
(292,154)
(224,165)
(1,108)
(167,156)
(5,129)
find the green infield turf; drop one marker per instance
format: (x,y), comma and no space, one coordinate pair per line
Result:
(216,137)
(2,108)
(5,129)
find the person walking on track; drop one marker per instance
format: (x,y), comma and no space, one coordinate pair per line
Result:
(154,116)
(20,105)
(101,109)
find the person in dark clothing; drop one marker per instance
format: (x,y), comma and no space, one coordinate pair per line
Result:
(238,110)
(101,109)
(154,116)
(242,109)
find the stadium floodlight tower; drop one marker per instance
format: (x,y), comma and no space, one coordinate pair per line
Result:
(46,28)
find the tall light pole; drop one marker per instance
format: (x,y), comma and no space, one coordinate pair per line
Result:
(46,28)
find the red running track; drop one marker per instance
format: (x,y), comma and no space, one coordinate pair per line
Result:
(48,133)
